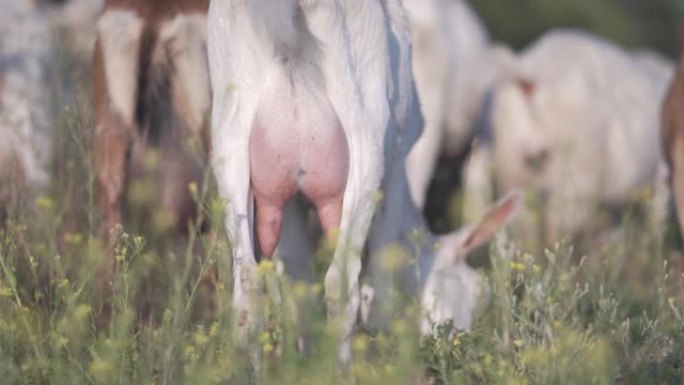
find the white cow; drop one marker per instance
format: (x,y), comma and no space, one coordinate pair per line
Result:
(308,97)
(317,97)
(577,122)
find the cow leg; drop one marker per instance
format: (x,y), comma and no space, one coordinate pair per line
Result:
(354,218)
(234,185)
(231,130)
(112,143)
(232,175)
(115,77)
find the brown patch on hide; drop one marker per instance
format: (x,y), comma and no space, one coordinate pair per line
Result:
(111,143)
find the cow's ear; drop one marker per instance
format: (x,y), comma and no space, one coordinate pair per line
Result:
(497,216)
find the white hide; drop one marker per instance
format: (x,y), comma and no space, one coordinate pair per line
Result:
(26,110)
(593,113)
(352,55)
(454,64)
(187,34)
(433,61)
(657,66)
(120,32)
(476,73)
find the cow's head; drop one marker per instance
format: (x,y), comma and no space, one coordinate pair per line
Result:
(451,289)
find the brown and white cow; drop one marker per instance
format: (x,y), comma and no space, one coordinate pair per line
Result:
(151,95)
(672,136)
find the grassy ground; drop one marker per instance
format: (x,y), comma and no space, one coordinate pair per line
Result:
(554,317)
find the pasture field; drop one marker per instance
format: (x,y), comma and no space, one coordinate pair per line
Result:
(615,316)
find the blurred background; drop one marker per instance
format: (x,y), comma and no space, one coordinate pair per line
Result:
(632,23)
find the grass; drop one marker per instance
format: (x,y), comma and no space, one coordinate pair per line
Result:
(553,317)
(612,318)
(549,321)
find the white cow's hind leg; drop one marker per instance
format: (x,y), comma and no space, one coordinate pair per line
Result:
(232,174)
(342,277)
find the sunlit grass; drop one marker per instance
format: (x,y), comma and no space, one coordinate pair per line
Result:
(553,317)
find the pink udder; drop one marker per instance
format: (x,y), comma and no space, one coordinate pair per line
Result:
(296,145)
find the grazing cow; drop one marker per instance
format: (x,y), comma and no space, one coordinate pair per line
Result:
(575,123)
(315,97)
(151,96)
(26,111)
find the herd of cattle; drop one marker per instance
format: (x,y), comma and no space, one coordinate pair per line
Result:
(349,104)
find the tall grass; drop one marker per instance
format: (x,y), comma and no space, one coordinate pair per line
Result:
(556,317)
(548,321)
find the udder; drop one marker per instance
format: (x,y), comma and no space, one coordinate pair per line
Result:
(296,144)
